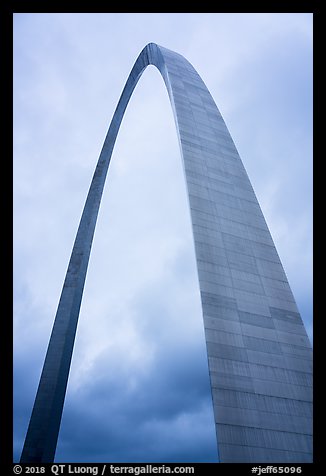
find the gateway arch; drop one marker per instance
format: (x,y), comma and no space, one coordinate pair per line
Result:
(259,355)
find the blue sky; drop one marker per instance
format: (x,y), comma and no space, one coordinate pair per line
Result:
(138,387)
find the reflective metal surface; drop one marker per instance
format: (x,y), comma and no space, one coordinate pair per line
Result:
(259,354)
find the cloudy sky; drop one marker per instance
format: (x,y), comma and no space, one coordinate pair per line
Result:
(138,387)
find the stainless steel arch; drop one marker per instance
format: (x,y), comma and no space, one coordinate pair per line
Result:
(259,354)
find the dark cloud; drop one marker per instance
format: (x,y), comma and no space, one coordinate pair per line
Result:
(163,416)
